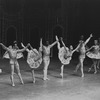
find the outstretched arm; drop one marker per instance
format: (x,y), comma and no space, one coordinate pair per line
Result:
(40,48)
(89,48)
(22,50)
(88,39)
(58,44)
(24,47)
(4,47)
(53,43)
(76,48)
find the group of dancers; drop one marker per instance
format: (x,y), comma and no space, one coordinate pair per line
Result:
(36,57)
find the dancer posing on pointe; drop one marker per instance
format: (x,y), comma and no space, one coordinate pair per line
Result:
(94,55)
(13,61)
(65,54)
(98,63)
(34,59)
(82,50)
(46,57)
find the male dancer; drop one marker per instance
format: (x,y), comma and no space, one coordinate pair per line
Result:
(13,61)
(46,57)
(82,50)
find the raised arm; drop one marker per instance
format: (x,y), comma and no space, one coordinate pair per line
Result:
(90,48)
(53,44)
(24,47)
(22,50)
(41,45)
(76,48)
(88,39)
(4,47)
(58,44)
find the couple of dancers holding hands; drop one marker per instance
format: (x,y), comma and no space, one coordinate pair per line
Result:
(35,57)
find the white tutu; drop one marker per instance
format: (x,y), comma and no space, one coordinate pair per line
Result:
(93,55)
(64,56)
(6,55)
(33,59)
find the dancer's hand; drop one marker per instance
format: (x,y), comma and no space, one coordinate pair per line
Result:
(91,35)
(61,38)
(22,44)
(57,38)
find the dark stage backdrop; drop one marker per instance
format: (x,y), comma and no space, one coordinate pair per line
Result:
(29,20)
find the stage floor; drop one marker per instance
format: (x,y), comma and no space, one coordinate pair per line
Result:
(71,87)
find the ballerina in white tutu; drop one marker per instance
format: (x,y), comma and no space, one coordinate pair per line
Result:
(65,54)
(82,50)
(98,63)
(34,59)
(94,55)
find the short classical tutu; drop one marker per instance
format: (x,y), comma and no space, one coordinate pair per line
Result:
(33,59)
(64,56)
(93,55)
(6,55)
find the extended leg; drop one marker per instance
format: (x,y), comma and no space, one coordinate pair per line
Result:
(46,64)
(98,64)
(95,62)
(62,68)
(19,74)
(77,67)
(12,75)
(33,75)
(90,68)
(81,61)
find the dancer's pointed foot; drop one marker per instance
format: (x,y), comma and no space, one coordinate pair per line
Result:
(13,85)
(95,72)
(82,75)
(46,79)
(34,81)
(98,67)
(89,70)
(61,75)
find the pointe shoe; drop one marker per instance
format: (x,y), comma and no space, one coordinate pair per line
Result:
(22,83)
(46,79)
(13,85)
(95,72)
(33,81)
(82,75)
(89,70)
(61,75)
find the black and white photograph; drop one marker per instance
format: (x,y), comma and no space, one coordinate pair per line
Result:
(49,49)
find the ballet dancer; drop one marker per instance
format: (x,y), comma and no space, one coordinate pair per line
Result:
(64,54)
(46,57)
(13,61)
(94,55)
(34,59)
(82,50)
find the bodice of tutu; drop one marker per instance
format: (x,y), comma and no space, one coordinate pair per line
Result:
(96,49)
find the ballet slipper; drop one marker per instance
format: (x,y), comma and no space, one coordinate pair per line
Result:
(61,75)
(82,75)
